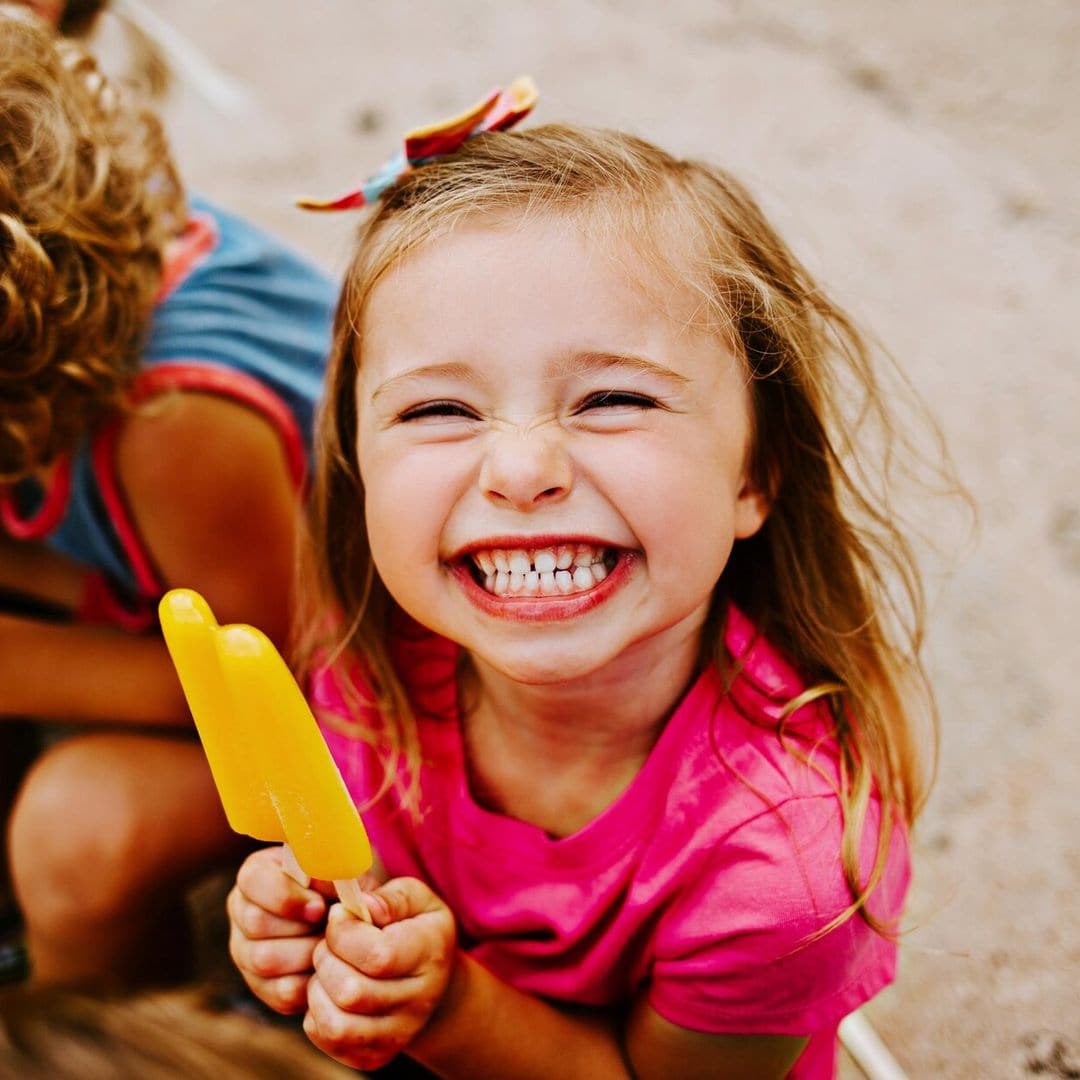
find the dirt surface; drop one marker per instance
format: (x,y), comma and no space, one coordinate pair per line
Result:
(923,161)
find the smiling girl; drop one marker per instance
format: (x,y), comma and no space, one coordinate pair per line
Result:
(611,676)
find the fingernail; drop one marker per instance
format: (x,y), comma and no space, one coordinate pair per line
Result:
(314,910)
(376,905)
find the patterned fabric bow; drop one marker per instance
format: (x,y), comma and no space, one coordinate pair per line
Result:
(501,109)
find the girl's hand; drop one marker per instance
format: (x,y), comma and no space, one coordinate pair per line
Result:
(275,925)
(375,986)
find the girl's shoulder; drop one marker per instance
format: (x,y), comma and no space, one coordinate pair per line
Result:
(741,729)
(764,788)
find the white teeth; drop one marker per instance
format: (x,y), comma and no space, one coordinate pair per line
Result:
(544,561)
(565,569)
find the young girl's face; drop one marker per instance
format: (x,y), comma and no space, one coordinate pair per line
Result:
(553,453)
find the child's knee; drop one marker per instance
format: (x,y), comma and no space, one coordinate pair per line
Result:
(75,835)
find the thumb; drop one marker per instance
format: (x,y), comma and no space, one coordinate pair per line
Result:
(401,898)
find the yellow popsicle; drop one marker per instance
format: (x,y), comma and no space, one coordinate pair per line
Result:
(190,630)
(322,826)
(272,769)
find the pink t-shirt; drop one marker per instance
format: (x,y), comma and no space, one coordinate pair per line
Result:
(699,885)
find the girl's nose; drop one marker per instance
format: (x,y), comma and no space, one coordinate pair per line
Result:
(526,469)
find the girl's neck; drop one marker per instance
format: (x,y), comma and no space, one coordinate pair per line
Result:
(558,755)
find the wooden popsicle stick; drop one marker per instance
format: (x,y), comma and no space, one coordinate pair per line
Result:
(349,892)
(352,899)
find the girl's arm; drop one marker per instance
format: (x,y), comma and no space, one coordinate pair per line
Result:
(374,983)
(211,497)
(485,1028)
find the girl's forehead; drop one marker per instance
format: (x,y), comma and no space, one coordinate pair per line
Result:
(653,262)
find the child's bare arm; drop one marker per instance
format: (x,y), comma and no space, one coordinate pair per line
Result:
(215,507)
(30,568)
(91,674)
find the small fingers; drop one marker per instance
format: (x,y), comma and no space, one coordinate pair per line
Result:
(286,995)
(256,922)
(354,991)
(262,880)
(362,1042)
(271,958)
(403,898)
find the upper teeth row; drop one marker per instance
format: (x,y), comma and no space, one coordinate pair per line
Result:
(540,560)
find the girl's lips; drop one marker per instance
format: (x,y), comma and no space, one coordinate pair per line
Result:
(543,608)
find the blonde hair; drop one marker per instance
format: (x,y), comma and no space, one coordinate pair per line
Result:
(58,1034)
(830,578)
(89,197)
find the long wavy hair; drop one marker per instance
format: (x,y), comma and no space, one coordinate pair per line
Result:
(89,198)
(830,578)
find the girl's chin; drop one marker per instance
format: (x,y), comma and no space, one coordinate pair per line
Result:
(576,658)
(542,671)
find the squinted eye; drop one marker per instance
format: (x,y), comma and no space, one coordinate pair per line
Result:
(438,409)
(606,399)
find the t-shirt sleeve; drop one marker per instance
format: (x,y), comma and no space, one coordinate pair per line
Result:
(737,952)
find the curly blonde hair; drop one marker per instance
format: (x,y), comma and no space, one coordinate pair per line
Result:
(89,198)
(831,577)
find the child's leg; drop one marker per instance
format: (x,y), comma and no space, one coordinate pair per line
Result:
(107,832)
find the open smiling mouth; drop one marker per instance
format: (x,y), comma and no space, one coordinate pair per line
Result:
(561,570)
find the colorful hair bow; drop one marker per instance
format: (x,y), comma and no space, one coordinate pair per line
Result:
(501,109)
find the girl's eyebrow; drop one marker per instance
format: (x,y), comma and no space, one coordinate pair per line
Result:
(428,371)
(587,363)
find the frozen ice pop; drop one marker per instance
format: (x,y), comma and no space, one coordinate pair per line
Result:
(273,771)
(190,632)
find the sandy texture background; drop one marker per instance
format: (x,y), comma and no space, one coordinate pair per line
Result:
(922,158)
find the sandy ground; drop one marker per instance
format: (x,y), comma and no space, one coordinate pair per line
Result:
(923,162)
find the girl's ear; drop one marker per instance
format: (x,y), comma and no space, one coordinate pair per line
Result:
(753,504)
(751,509)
